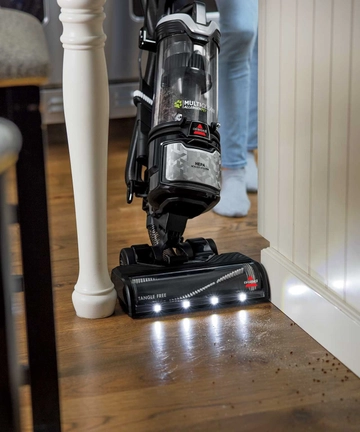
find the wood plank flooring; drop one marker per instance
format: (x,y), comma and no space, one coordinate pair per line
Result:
(236,369)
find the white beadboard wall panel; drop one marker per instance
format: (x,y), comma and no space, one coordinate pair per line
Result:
(352,286)
(271,120)
(320,141)
(303,131)
(339,119)
(309,150)
(286,127)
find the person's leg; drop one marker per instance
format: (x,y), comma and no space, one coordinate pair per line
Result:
(251,167)
(238,25)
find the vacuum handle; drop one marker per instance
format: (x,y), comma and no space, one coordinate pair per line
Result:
(199,13)
(197,10)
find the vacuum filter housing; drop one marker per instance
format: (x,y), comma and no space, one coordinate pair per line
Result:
(184,144)
(186,75)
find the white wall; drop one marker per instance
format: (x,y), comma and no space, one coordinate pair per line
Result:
(309,153)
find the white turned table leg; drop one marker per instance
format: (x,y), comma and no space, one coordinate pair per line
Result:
(86,106)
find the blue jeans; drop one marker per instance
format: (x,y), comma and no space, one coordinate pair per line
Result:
(238,71)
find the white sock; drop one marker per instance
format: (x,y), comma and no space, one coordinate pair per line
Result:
(234,201)
(251,171)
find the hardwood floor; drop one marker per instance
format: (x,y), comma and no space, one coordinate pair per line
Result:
(236,369)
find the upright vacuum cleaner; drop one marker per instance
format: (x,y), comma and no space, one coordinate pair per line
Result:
(174,166)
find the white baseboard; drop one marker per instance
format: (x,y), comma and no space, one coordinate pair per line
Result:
(330,321)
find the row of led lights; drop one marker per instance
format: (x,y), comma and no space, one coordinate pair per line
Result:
(214,300)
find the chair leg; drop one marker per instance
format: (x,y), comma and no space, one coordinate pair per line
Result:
(35,245)
(9,379)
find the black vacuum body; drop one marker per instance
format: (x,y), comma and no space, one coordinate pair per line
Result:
(174,165)
(184,143)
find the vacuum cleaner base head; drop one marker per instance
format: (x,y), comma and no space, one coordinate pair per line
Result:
(223,280)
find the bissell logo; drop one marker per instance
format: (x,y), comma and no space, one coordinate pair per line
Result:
(251,283)
(199,130)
